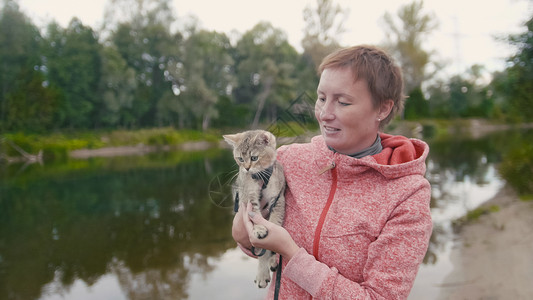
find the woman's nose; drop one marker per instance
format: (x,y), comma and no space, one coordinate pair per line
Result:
(326,111)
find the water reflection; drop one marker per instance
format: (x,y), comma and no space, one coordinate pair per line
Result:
(149,224)
(149,228)
(464,173)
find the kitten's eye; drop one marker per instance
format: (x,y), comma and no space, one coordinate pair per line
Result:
(253,158)
(240,159)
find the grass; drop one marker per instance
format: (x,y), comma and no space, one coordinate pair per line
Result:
(59,144)
(474,215)
(526,197)
(478,212)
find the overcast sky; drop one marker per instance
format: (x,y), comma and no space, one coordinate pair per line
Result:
(465,35)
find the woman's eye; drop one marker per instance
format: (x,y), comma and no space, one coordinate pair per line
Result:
(253,158)
(240,159)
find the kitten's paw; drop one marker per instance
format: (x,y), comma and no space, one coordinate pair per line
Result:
(260,231)
(262,279)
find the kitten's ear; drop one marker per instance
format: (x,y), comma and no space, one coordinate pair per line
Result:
(232,139)
(268,139)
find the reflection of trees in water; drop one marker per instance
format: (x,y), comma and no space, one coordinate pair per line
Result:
(153,283)
(458,159)
(517,166)
(152,227)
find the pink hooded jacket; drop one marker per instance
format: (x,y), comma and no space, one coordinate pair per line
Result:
(363,225)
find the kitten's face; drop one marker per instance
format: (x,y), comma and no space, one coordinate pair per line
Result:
(253,150)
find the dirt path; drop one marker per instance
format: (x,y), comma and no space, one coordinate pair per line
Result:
(493,257)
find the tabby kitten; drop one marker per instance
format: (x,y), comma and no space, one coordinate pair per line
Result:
(261,182)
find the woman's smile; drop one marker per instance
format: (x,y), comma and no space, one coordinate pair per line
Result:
(330,130)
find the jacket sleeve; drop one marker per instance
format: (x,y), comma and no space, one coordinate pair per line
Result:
(392,262)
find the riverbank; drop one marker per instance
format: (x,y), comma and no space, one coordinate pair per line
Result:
(138,142)
(139,149)
(16,147)
(492,255)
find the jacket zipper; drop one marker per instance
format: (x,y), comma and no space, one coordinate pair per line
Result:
(318,230)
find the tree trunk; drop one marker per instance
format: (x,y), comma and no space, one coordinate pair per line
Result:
(261,99)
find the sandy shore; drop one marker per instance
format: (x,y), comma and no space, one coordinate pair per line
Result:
(138,150)
(493,256)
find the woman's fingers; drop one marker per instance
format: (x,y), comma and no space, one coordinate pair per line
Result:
(246,218)
(239,230)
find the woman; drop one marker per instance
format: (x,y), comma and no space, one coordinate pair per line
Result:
(358,220)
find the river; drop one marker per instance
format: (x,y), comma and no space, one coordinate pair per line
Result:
(158,226)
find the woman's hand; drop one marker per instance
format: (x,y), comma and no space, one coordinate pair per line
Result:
(277,240)
(238,230)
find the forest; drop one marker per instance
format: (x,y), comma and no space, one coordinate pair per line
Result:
(138,71)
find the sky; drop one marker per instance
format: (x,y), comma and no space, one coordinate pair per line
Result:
(465,35)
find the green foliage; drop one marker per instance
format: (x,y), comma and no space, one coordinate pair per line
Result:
(154,136)
(58,145)
(464,96)
(517,168)
(19,65)
(52,145)
(474,215)
(117,89)
(73,64)
(514,86)
(32,107)
(528,197)
(207,77)
(231,115)
(416,106)
(152,53)
(292,129)
(478,212)
(521,73)
(139,71)
(265,68)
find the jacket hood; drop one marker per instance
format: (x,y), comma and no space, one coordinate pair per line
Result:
(400,157)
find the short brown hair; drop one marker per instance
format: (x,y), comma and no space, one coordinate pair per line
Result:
(382,74)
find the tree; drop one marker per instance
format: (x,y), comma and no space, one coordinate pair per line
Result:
(32,107)
(73,64)
(19,55)
(117,89)
(405,36)
(438,100)
(207,75)
(323,29)
(518,85)
(144,39)
(265,67)
(139,13)
(461,96)
(417,107)
(459,91)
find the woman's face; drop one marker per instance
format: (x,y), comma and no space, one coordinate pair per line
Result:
(344,110)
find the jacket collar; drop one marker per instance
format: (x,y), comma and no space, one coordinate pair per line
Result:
(400,157)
